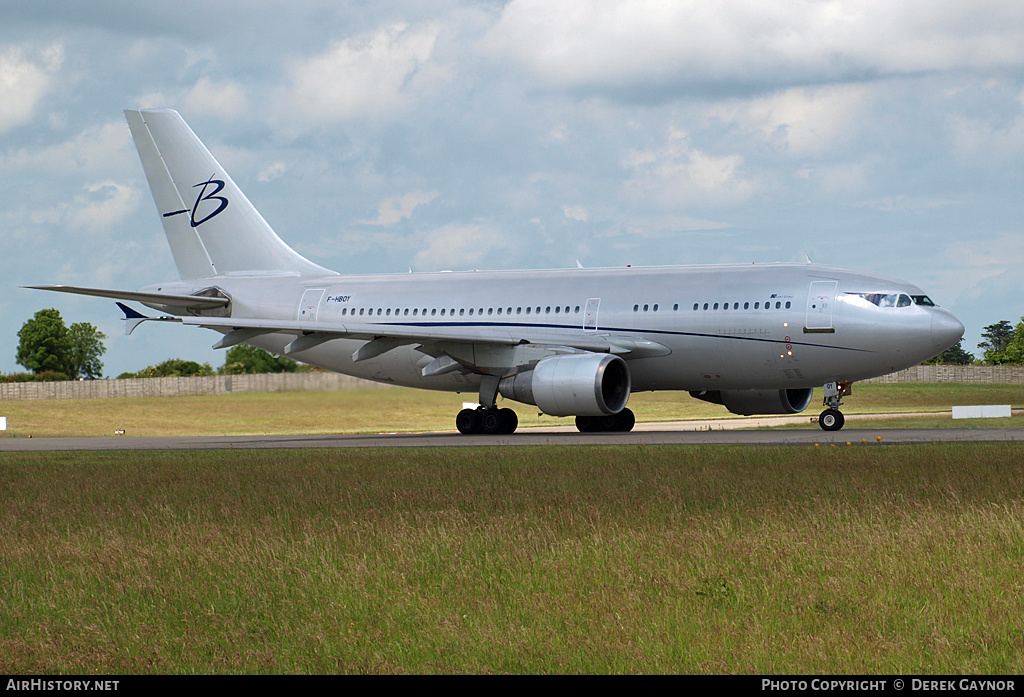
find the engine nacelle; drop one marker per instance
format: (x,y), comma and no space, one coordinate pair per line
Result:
(585,384)
(750,402)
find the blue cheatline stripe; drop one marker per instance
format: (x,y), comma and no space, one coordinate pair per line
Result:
(666,332)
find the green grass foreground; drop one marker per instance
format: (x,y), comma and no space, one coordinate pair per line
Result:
(706,559)
(408,410)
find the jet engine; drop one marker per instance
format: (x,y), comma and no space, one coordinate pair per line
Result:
(749,402)
(585,384)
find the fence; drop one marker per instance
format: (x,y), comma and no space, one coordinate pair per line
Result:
(176,387)
(319,382)
(956,373)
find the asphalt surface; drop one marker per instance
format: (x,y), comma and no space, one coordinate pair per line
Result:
(676,433)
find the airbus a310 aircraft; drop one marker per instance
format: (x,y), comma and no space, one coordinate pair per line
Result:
(754,338)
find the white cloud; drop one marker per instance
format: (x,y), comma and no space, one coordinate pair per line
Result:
(98,150)
(398,208)
(662,226)
(369,76)
(24,82)
(272,171)
(458,246)
(620,42)
(678,174)
(226,99)
(804,121)
(579,213)
(902,203)
(98,210)
(105,204)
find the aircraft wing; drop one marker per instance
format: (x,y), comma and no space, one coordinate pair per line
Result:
(382,337)
(197,301)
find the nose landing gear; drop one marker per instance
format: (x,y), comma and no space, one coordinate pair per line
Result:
(832,419)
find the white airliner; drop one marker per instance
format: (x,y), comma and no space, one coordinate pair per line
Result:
(576,342)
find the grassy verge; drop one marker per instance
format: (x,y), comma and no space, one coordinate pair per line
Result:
(405,410)
(898,560)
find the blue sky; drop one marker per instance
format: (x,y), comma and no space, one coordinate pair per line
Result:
(379,137)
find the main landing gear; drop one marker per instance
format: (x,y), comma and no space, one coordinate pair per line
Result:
(487,418)
(622,422)
(832,419)
(490,421)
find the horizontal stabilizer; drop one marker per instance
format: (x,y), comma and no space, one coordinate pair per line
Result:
(199,301)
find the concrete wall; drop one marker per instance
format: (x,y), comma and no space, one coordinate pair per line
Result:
(312,382)
(173,387)
(956,373)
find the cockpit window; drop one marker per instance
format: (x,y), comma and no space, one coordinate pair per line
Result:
(894,299)
(878,299)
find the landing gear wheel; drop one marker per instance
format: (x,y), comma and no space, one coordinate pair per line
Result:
(467,421)
(487,421)
(622,422)
(509,421)
(490,421)
(625,420)
(831,420)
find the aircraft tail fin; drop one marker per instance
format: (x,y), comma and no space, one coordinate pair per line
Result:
(212,228)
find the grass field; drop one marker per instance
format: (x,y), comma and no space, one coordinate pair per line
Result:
(877,559)
(398,410)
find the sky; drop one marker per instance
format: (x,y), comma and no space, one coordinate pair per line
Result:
(882,135)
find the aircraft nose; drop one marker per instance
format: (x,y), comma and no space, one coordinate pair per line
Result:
(946,330)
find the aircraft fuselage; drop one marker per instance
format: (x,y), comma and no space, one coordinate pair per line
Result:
(767,326)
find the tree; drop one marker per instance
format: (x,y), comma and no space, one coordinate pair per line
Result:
(243,359)
(86,349)
(1013,353)
(172,368)
(954,355)
(997,336)
(45,344)
(48,346)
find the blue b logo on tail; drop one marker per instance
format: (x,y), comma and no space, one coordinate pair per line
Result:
(222,202)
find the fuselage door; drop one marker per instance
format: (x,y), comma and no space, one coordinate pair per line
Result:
(310,304)
(820,302)
(590,315)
